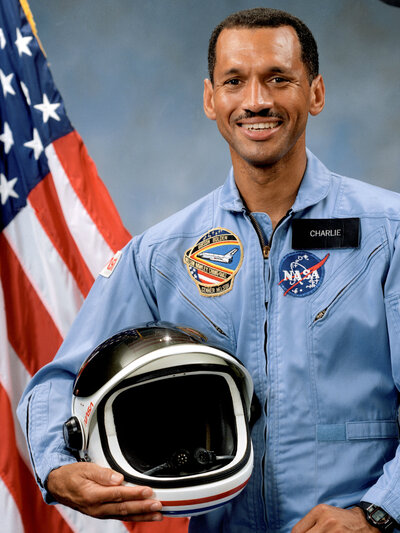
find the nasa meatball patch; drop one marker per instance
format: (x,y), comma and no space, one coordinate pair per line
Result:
(214,261)
(301,273)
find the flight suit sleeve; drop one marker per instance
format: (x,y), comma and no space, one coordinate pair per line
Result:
(386,491)
(122,300)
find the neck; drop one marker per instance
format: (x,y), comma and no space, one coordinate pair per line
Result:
(270,189)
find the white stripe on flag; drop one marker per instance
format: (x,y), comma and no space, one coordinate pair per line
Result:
(81,523)
(44,268)
(87,237)
(13,376)
(10,518)
(17,373)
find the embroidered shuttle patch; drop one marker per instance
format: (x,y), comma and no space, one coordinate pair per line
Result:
(214,261)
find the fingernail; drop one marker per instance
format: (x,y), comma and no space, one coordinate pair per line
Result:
(157,518)
(156,506)
(116,478)
(147,493)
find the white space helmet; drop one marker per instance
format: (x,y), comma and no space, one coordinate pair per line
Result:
(167,410)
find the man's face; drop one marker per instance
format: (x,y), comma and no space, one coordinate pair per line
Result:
(261,94)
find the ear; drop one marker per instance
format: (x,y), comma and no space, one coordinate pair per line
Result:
(317,99)
(208,100)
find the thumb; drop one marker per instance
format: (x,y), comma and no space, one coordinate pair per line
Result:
(105,476)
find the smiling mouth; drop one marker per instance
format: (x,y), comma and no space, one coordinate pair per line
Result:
(259,126)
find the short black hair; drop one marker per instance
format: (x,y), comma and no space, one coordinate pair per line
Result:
(264,17)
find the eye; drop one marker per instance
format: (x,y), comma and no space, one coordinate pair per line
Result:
(232,81)
(278,79)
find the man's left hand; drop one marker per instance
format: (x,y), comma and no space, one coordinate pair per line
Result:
(327,519)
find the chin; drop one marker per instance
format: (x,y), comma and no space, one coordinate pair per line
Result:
(262,162)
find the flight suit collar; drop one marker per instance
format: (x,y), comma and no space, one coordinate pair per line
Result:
(314,187)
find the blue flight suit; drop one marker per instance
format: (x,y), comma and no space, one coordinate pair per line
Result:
(318,329)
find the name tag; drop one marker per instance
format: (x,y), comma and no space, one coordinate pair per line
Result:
(322,233)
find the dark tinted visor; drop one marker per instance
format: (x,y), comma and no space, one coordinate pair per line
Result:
(178,426)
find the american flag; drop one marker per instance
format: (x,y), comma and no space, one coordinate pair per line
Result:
(58,228)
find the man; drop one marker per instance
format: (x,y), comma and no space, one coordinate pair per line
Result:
(310,303)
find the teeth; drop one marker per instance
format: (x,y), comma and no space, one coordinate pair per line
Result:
(260,126)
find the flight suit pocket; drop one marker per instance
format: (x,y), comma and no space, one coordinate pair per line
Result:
(354,454)
(348,345)
(180,304)
(347,277)
(377,429)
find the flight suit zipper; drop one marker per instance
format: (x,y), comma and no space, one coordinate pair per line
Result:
(266,248)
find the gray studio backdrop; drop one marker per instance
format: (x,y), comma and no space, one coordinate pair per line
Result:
(131,74)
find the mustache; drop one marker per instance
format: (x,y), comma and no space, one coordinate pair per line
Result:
(262,113)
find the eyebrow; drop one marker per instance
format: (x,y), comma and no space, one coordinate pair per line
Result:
(231,71)
(275,69)
(279,70)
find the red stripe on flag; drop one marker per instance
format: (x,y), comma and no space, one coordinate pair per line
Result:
(167,525)
(53,222)
(35,514)
(209,278)
(31,330)
(91,191)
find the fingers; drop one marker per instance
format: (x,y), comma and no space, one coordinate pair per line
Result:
(306,523)
(99,492)
(133,511)
(103,476)
(328,519)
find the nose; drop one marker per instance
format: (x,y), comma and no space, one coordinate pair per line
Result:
(257,96)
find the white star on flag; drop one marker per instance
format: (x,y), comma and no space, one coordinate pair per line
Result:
(25,90)
(7,188)
(22,43)
(6,83)
(7,138)
(2,39)
(48,109)
(35,144)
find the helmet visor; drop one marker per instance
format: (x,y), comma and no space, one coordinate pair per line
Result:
(176,426)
